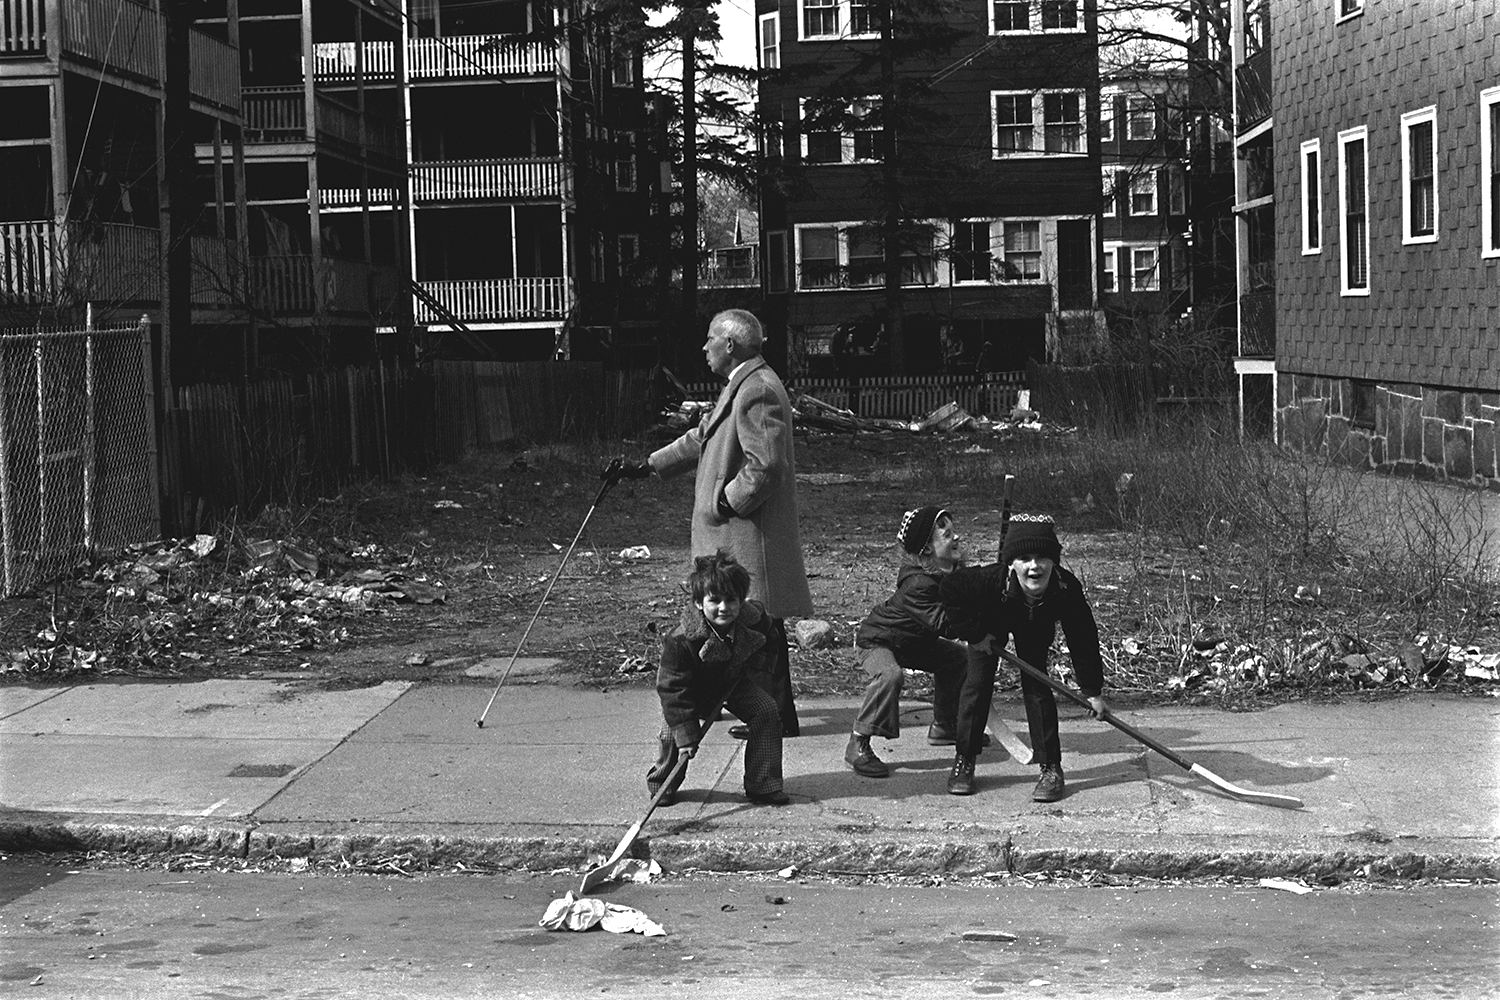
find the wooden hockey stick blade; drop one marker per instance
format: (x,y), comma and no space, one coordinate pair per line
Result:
(1007,738)
(1264,798)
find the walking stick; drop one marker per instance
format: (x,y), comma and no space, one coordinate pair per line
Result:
(610,475)
(1265,798)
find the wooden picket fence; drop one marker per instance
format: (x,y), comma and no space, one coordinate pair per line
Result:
(906,398)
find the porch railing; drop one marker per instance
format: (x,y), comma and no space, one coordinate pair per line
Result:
(275,114)
(481,55)
(464,180)
(44,263)
(380,198)
(120,34)
(30,261)
(498,299)
(214,69)
(336,61)
(283,284)
(23,27)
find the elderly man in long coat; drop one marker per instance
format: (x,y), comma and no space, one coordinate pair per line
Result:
(745,501)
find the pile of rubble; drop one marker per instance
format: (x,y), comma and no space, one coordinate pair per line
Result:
(809,411)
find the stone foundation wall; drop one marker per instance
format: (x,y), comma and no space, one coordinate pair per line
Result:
(1419,430)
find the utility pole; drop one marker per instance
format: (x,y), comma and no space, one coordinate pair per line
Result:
(178,167)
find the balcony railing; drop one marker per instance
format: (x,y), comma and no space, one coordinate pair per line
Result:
(498,299)
(1253,90)
(119,34)
(23,27)
(380,198)
(483,55)
(43,263)
(467,180)
(214,69)
(301,285)
(279,114)
(336,61)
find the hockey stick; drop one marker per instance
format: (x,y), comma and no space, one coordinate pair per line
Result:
(1022,753)
(1264,798)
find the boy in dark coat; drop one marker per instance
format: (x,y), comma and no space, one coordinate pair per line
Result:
(910,631)
(723,649)
(1025,595)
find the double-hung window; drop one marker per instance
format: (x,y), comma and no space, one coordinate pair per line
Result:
(770,41)
(1354,212)
(971,251)
(1349,8)
(835,131)
(1489,171)
(1037,123)
(625,161)
(1143,193)
(826,20)
(1145,269)
(818,257)
(1140,116)
(1111,282)
(1312,197)
(1023,251)
(1012,16)
(1111,188)
(1107,117)
(1419,196)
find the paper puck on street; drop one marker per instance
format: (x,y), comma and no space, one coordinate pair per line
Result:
(988,936)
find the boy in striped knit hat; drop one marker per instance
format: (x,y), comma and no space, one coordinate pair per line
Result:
(1025,595)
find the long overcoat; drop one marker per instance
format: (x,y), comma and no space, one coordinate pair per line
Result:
(745,445)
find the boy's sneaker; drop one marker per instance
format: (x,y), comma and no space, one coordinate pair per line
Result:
(947,736)
(859,756)
(1050,788)
(961,780)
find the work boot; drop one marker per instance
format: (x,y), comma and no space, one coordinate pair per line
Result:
(939,735)
(961,781)
(859,756)
(776,798)
(1050,788)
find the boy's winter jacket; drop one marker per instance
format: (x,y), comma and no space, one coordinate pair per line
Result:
(698,668)
(913,619)
(987,600)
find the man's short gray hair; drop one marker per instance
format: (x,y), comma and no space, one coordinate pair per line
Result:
(746,330)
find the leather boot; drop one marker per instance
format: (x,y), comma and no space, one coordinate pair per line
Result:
(1050,787)
(859,756)
(961,780)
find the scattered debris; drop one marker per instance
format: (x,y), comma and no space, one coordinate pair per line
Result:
(790,871)
(1285,886)
(635,552)
(575,913)
(987,936)
(625,870)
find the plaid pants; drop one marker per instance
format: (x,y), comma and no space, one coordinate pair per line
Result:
(750,702)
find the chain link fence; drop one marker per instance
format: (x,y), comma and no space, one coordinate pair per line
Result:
(77,448)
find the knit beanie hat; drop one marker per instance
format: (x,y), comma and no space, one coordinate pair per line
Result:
(916,527)
(1031,535)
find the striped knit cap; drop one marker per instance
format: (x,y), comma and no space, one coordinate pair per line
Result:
(916,527)
(1031,535)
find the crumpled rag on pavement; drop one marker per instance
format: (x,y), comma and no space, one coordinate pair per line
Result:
(574,913)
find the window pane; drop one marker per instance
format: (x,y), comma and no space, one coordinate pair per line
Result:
(1357,254)
(1143,270)
(866,261)
(1111,264)
(1013,120)
(1063,124)
(1023,251)
(1314,201)
(1059,14)
(971,256)
(866,129)
(770,42)
(820,17)
(1494,178)
(1142,118)
(1419,139)
(1012,16)
(864,18)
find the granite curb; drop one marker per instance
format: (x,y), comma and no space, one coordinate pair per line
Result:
(551,849)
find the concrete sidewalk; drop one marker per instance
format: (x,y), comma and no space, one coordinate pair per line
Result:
(1407,787)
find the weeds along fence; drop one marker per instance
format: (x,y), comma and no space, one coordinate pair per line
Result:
(78,470)
(906,397)
(288,439)
(1119,397)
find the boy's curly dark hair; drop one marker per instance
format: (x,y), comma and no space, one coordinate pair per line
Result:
(721,575)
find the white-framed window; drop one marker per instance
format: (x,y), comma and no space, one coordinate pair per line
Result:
(625,161)
(1037,123)
(1489,171)
(1176,190)
(1143,193)
(1107,118)
(1419,194)
(820,20)
(1312,196)
(841,131)
(1022,248)
(852,255)
(1111,188)
(622,65)
(1140,116)
(1111,282)
(1354,212)
(1349,8)
(1009,17)
(1145,269)
(770,40)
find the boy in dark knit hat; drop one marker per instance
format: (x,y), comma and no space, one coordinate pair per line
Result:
(911,631)
(1025,595)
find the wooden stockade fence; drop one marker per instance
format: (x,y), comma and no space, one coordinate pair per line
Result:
(293,438)
(905,398)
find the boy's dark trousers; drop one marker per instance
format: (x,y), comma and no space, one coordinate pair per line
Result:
(974,712)
(749,701)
